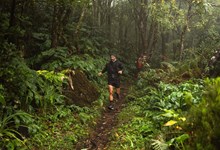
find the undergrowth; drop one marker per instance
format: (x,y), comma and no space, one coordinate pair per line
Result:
(34,114)
(62,128)
(155,114)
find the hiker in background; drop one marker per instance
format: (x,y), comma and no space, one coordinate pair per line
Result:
(141,62)
(214,64)
(139,65)
(114,70)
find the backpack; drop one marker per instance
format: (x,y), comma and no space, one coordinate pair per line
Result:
(139,63)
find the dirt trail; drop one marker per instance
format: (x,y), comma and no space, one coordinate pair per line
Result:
(100,137)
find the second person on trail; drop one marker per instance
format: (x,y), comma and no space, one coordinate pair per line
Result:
(114,70)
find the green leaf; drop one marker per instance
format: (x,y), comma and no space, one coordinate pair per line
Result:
(2,100)
(182,138)
(170,123)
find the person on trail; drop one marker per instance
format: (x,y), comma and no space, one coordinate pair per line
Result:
(114,69)
(214,64)
(139,64)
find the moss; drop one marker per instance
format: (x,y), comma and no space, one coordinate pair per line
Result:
(84,92)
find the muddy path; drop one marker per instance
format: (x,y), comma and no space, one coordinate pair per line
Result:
(101,136)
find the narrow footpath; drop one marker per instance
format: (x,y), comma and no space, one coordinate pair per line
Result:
(101,136)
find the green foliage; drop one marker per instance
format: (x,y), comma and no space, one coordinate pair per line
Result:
(51,88)
(51,59)
(62,128)
(59,60)
(2,98)
(53,78)
(158,11)
(17,79)
(10,138)
(91,66)
(151,102)
(154,115)
(40,92)
(168,96)
(133,134)
(149,77)
(159,145)
(204,118)
(33,88)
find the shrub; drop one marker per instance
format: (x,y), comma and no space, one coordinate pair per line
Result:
(204,118)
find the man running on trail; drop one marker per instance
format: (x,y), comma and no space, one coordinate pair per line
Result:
(114,70)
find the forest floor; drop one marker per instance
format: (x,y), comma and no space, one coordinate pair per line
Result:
(100,137)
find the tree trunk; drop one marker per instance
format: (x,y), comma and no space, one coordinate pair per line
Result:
(140,18)
(12,22)
(163,46)
(54,32)
(77,31)
(64,19)
(109,19)
(175,47)
(153,37)
(143,32)
(94,12)
(12,14)
(183,33)
(120,30)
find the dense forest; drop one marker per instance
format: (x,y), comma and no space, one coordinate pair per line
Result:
(51,51)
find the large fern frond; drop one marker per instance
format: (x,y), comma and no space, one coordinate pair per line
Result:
(159,145)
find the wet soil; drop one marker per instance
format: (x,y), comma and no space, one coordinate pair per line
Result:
(101,136)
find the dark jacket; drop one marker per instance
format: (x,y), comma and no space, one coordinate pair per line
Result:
(112,69)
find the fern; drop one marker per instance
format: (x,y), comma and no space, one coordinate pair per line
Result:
(2,98)
(8,133)
(159,145)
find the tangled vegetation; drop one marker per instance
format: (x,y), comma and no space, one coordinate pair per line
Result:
(164,116)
